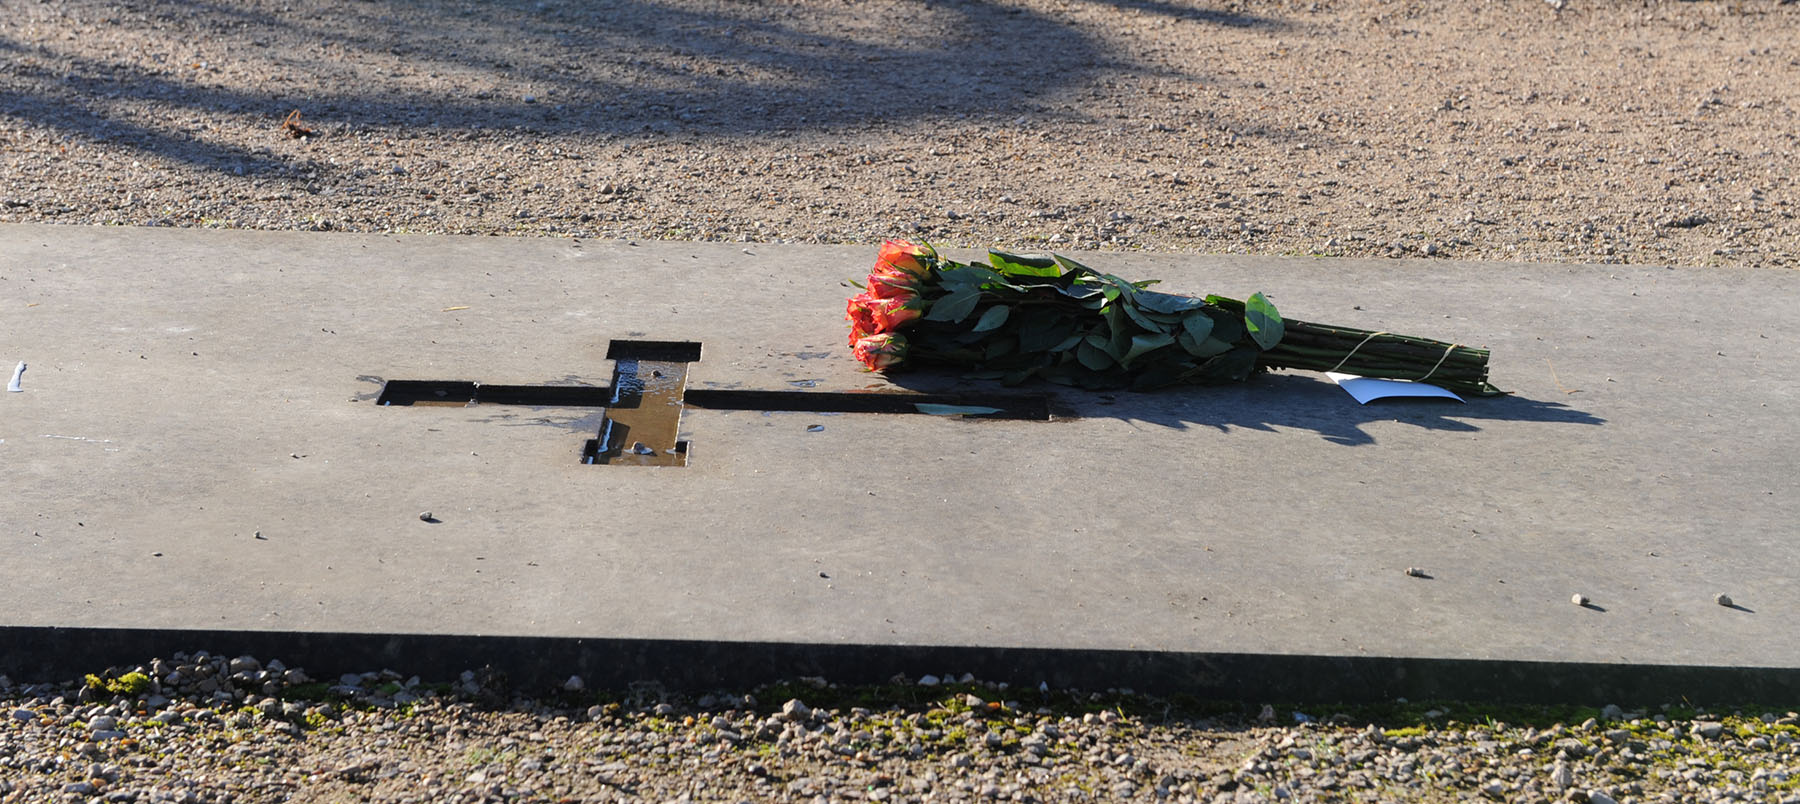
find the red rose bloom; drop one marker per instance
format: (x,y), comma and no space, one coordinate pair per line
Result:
(881,351)
(871,315)
(887,282)
(891,314)
(862,319)
(902,256)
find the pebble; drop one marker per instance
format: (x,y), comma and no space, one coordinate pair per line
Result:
(1415,572)
(1561,775)
(1578,599)
(1722,599)
(1600,797)
(795,711)
(425,516)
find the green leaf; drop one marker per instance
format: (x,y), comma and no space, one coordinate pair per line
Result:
(1071,265)
(1126,289)
(1132,311)
(1116,323)
(1023,265)
(1168,302)
(1202,347)
(1066,344)
(1264,323)
(1119,329)
(1081,292)
(1229,304)
(1228,328)
(954,410)
(972,276)
(1092,356)
(955,306)
(993,318)
(1197,325)
(1145,343)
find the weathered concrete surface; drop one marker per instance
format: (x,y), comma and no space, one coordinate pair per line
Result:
(189,389)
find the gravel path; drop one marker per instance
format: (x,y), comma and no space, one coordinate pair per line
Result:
(1605,132)
(210,729)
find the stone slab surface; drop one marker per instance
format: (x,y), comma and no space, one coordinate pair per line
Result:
(188,390)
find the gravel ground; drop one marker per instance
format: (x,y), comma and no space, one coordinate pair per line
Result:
(212,729)
(1643,132)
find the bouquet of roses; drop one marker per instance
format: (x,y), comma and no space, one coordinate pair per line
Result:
(1015,317)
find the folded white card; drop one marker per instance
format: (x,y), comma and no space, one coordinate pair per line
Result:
(1366,389)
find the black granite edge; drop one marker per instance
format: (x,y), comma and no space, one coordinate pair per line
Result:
(539,664)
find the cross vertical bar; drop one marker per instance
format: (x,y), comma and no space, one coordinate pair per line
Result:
(642,423)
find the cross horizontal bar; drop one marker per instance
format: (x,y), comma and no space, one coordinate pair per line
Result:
(454,392)
(1030,407)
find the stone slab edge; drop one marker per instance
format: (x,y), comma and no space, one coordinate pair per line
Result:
(539,665)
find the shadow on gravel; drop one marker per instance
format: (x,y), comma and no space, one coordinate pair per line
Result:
(82,111)
(1183,11)
(616,67)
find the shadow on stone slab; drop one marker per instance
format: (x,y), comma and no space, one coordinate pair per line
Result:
(536,665)
(1280,400)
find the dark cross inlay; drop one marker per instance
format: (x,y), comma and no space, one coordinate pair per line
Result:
(649,392)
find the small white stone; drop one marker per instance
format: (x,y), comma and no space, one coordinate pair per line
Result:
(795,711)
(425,516)
(1561,775)
(1415,572)
(1578,599)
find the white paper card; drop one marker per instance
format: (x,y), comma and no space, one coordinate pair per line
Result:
(1366,389)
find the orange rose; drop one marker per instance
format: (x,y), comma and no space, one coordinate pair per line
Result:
(892,314)
(887,282)
(902,256)
(861,318)
(882,351)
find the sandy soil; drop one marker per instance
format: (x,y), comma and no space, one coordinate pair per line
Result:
(1604,132)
